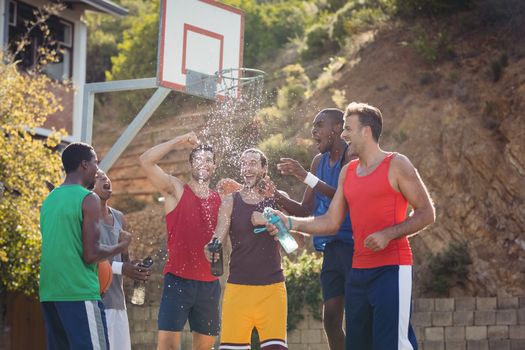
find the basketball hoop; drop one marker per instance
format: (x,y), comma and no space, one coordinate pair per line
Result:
(245,84)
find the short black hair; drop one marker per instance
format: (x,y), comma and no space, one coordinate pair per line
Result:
(264,159)
(335,115)
(74,154)
(201,147)
(368,116)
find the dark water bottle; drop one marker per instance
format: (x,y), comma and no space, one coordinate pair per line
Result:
(217,268)
(139,287)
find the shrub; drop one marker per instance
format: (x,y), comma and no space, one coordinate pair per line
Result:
(318,42)
(26,165)
(327,77)
(339,98)
(448,268)
(433,48)
(276,147)
(303,287)
(497,66)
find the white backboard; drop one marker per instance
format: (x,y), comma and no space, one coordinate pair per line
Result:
(201,36)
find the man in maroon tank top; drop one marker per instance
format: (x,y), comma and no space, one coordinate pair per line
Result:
(376,189)
(255,293)
(191,293)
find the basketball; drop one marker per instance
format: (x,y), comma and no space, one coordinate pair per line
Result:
(105,275)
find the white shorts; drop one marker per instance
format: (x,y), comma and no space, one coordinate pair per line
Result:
(118,329)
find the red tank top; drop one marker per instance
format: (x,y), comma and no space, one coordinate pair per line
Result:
(374,205)
(190,226)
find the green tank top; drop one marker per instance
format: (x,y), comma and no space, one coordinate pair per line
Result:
(63,274)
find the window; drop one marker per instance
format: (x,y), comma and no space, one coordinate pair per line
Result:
(12,13)
(60,39)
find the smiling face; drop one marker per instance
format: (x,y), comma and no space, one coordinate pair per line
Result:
(324,132)
(252,169)
(353,134)
(103,186)
(202,165)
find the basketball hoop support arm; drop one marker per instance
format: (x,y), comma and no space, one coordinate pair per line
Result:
(134,127)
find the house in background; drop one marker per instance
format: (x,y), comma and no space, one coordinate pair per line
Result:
(70,34)
(21,325)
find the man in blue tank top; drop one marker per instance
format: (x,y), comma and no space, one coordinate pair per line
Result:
(321,186)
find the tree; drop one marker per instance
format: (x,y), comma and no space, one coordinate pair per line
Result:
(106,32)
(26,164)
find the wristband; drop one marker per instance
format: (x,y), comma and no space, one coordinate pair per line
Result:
(311,180)
(116,267)
(290,222)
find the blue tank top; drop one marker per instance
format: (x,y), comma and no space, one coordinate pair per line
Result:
(330,175)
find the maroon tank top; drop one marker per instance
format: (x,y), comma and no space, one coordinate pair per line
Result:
(255,258)
(190,227)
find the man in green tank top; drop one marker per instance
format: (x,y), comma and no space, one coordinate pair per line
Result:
(69,287)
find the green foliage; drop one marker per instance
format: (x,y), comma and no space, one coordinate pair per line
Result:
(339,98)
(318,42)
(497,66)
(26,164)
(296,89)
(332,33)
(281,116)
(448,269)
(268,26)
(137,53)
(105,32)
(303,287)
(276,147)
(433,47)
(327,77)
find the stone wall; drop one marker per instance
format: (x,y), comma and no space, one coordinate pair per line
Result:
(440,324)
(470,323)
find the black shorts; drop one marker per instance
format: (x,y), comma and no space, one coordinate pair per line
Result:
(337,264)
(189,300)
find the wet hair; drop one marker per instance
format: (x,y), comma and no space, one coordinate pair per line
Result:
(201,147)
(335,115)
(368,116)
(264,159)
(74,154)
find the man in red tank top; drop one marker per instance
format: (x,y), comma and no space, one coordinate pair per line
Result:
(376,188)
(191,293)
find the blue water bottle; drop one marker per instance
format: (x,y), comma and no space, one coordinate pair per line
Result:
(285,238)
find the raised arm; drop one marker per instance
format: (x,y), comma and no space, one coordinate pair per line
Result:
(292,167)
(404,177)
(223,223)
(92,250)
(166,184)
(323,225)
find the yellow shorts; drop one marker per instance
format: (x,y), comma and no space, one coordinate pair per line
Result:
(245,307)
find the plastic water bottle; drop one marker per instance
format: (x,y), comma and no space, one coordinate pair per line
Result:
(285,238)
(139,287)
(217,267)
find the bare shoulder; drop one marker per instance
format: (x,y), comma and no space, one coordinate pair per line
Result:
(342,174)
(402,165)
(90,200)
(315,162)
